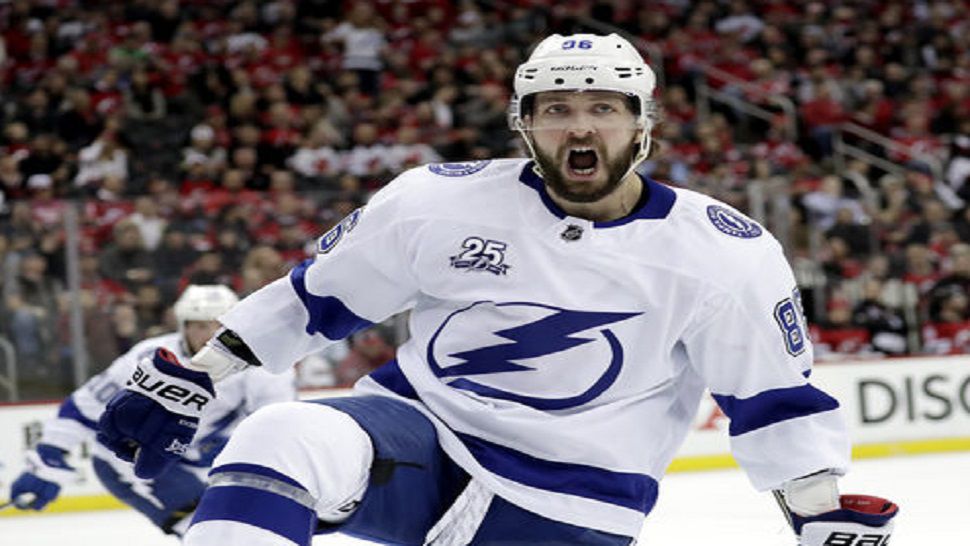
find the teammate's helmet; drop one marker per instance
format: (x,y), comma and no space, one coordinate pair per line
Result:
(584,62)
(203,302)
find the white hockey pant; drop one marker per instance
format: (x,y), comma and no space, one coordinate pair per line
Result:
(284,466)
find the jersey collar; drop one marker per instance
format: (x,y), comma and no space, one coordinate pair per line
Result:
(660,199)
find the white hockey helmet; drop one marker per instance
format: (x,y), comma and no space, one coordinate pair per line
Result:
(203,302)
(584,62)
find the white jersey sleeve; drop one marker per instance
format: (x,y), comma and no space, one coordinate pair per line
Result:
(749,343)
(361,275)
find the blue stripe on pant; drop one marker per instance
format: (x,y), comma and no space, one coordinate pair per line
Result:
(269,511)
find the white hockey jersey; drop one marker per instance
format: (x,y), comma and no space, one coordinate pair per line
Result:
(236,397)
(562,360)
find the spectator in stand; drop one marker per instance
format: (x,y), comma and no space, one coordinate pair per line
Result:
(948,332)
(848,228)
(149,222)
(126,260)
(820,116)
(11,182)
(32,307)
(102,158)
(48,156)
(367,157)
(958,170)
(204,151)
(149,307)
(209,269)
(363,41)
(279,139)
(824,204)
(369,350)
(955,277)
(407,151)
(920,267)
(838,260)
(124,321)
(171,259)
(873,109)
(262,265)
(838,336)
(886,326)
(316,158)
(144,100)
(78,123)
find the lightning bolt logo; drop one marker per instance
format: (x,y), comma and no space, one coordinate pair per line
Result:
(549,335)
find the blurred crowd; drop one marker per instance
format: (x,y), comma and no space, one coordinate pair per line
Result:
(211,141)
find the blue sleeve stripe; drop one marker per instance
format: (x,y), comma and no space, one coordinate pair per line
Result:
(277,514)
(634,491)
(392,378)
(258,470)
(328,315)
(69,410)
(773,406)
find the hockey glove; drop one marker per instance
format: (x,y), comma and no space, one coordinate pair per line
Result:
(861,521)
(151,421)
(41,481)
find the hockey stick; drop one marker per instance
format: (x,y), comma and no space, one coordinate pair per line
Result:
(780,498)
(22,500)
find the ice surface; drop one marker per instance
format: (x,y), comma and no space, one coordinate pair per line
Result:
(697,509)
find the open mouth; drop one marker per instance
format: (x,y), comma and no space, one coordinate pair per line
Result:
(582,161)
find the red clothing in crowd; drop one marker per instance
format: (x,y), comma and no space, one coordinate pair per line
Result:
(947,338)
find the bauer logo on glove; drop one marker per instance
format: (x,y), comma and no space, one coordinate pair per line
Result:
(155,378)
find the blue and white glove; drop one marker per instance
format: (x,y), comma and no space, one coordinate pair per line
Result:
(41,481)
(821,516)
(862,520)
(151,421)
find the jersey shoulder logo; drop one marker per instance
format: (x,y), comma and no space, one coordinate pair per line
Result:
(480,254)
(461,168)
(733,223)
(332,237)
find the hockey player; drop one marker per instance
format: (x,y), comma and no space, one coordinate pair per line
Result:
(566,315)
(169,499)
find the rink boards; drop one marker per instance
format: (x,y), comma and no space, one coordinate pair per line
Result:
(894,407)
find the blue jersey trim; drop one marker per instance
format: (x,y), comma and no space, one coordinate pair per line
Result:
(69,410)
(773,406)
(660,199)
(635,491)
(392,378)
(328,315)
(274,513)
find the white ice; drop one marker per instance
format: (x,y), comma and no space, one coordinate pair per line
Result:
(697,509)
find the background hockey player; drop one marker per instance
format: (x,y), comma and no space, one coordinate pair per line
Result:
(171,497)
(566,317)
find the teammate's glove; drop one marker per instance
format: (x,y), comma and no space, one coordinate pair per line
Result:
(861,520)
(151,421)
(41,481)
